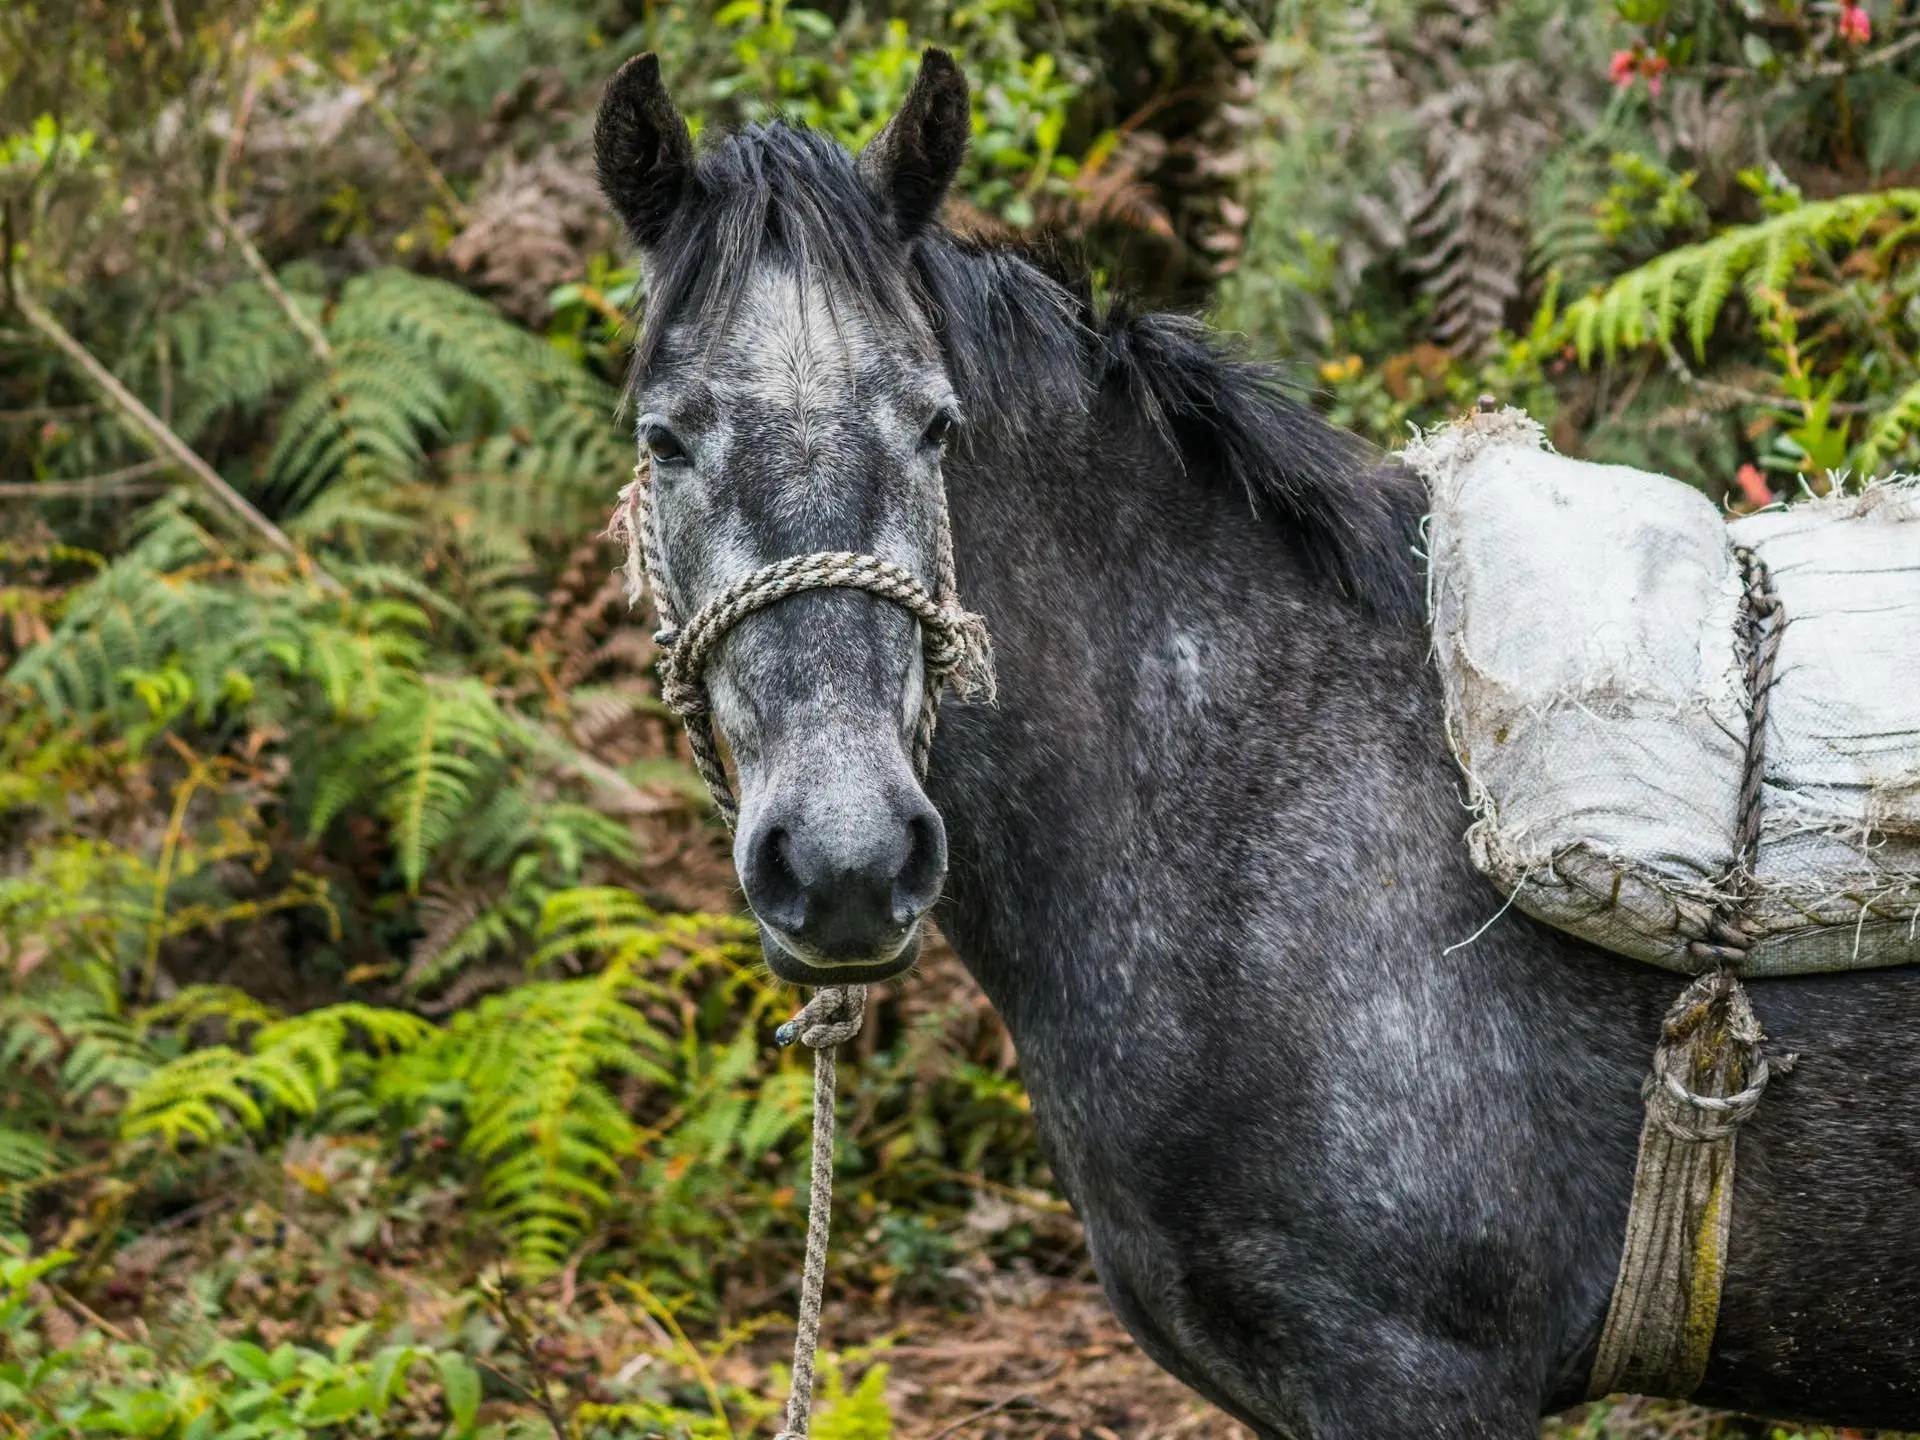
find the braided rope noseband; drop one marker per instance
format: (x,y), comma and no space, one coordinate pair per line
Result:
(954,644)
(954,648)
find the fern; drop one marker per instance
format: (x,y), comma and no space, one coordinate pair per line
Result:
(1646,304)
(289,1065)
(24,1158)
(541,848)
(550,1137)
(531,1065)
(229,351)
(414,360)
(857,1414)
(1889,432)
(421,763)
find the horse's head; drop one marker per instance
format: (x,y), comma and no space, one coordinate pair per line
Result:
(791,393)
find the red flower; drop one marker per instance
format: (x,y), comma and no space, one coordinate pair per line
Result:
(1654,67)
(1621,68)
(1855,27)
(1753,485)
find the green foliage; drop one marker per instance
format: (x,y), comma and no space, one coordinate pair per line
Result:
(415,361)
(289,1065)
(857,1414)
(1692,283)
(353,939)
(236,1390)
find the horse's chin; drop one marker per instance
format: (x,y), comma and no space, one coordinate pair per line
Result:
(787,961)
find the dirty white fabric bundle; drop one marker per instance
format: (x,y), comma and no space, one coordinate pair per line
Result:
(1587,625)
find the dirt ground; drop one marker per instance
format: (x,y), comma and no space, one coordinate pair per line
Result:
(1054,1364)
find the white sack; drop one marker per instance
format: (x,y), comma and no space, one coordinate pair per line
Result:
(1587,625)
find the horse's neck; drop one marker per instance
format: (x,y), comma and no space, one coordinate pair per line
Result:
(1169,676)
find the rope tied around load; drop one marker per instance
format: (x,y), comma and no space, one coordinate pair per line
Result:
(1709,1074)
(955,650)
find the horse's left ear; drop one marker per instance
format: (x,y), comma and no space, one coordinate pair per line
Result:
(910,163)
(642,151)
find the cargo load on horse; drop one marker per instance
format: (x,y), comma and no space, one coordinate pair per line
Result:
(1594,655)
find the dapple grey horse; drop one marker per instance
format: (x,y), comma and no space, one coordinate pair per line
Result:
(1352,1160)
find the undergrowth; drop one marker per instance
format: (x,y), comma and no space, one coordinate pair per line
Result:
(381,1049)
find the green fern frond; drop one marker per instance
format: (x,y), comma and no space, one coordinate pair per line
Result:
(1891,432)
(196,1004)
(532,1064)
(422,762)
(146,613)
(24,1157)
(1645,304)
(359,660)
(550,1137)
(415,361)
(607,921)
(454,331)
(367,417)
(232,350)
(289,1067)
(463,930)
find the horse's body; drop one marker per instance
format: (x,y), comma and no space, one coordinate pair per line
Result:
(1352,1160)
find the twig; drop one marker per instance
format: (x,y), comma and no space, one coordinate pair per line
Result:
(522,1342)
(219,204)
(263,272)
(1885,56)
(694,1358)
(1739,395)
(68,1299)
(119,480)
(7,243)
(46,412)
(456,207)
(1031,1199)
(164,440)
(191,1214)
(980,1414)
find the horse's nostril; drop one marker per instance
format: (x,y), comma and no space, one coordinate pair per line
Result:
(846,888)
(917,885)
(773,888)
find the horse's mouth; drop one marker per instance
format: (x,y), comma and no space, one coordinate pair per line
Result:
(798,964)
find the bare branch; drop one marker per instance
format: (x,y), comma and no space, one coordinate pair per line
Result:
(162,438)
(220,202)
(122,481)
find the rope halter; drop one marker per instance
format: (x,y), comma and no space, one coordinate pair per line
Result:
(954,647)
(954,643)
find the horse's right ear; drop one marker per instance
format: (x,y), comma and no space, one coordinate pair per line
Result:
(642,151)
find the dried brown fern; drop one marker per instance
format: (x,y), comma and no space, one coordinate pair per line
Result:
(530,230)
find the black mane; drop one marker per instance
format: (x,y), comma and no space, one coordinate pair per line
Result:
(1027,349)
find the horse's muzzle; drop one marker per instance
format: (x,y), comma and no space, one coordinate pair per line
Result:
(840,893)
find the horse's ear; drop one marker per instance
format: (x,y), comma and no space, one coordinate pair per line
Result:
(642,151)
(911,162)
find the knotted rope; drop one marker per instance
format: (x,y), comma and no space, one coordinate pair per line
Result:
(1708,1075)
(954,649)
(954,644)
(830,1019)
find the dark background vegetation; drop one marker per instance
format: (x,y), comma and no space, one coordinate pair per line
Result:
(381,1051)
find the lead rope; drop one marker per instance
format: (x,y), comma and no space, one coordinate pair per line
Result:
(954,650)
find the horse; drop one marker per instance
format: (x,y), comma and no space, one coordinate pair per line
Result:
(1352,1142)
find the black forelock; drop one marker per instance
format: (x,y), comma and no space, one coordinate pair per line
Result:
(777,191)
(1028,350)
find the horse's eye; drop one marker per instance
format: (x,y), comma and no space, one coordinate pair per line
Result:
(664,445)
(938,429)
